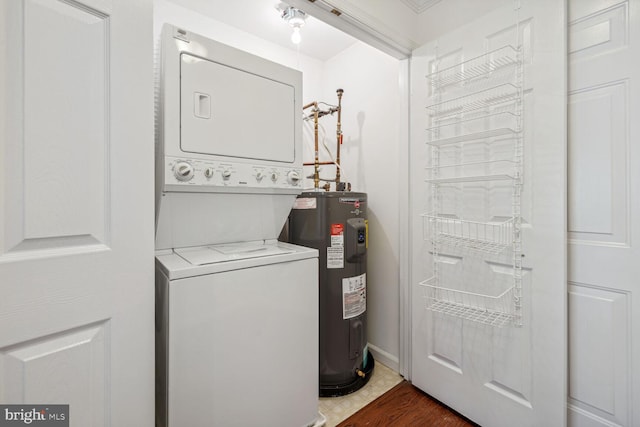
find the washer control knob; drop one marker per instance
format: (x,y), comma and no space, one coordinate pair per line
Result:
(183,171)
(208,173)
(259,176)
(293,177)
(226,174)
(274,176)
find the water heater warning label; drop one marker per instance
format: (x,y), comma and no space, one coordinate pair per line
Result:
(305,203)
(335,252)
(337,235)
(335,257)
(354,296)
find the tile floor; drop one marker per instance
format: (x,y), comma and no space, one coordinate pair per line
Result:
(338,409)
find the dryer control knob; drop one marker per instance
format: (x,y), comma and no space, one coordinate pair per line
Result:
(293,177)
(183,171)
(274,176)
(226,174)
(208,172)
(259,176)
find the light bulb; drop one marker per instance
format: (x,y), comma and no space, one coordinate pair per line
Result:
(295,36)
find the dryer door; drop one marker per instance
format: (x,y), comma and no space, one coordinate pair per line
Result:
(229,112)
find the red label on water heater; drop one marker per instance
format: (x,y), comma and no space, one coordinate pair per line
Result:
(335,252)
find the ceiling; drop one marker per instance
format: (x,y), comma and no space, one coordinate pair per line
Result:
(419,6)
(262,18)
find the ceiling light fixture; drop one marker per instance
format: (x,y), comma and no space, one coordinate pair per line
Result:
(295,18)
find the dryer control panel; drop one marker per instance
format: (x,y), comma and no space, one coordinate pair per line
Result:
(184,174)
(227,121)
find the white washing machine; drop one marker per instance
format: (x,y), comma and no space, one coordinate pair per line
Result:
(236,310)
(236,336)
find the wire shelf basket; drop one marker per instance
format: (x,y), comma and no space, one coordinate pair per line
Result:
(483,99)
(490,170)
(498,310)
(486,237)
(475,133)
(479,127)
(478,67)
(490,133)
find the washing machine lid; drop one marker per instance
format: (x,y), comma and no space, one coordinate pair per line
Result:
(230,252)
(182,263)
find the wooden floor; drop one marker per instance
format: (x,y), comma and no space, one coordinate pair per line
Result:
(405,405)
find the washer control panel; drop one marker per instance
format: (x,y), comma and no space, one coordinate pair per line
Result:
(202,173)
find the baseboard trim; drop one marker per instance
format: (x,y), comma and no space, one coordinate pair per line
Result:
(387,359)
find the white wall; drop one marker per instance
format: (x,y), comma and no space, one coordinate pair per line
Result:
(370,161)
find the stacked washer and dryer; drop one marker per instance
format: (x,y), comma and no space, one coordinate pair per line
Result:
(236,310)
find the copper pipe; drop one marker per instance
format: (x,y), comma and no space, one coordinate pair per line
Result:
(320,163)
(316,162)
(338,135)
(316,157)
(311,104)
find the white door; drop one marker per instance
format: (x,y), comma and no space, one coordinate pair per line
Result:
(511,375)
(76,208)
(604,213)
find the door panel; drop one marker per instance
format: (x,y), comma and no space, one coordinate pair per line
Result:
(599,372)
(69,106)
(604,212)
(599,143)
(57,194)
(510,375)
(76,208)
(70,366)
